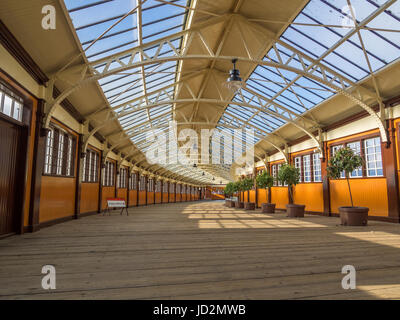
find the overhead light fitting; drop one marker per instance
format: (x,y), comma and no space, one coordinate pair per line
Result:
(234,82)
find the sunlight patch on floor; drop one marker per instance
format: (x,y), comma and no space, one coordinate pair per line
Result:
(377,237)
(382,291)
(255,224)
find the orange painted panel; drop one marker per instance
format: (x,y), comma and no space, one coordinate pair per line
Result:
(122,193)
(184,197)
(178,197)
(165,197)
(262,196)
(132,198)
(158,197)
(57,198)
(310,194)
(279,196)
(142,198)
(395,122)
(172,197)
(371,193)
(108,192)
(252,195)
(150,197)
(217,197)
(89,197)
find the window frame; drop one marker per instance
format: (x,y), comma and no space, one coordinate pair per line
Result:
(91,168)
(60,158)
(361,140)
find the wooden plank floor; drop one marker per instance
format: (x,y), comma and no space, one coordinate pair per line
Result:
(202,250)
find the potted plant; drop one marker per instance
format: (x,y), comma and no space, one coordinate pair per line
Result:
(345,160)
(247,185)
(265,181)
(228,193)
(290,176)
(237,187)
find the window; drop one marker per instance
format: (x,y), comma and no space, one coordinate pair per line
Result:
(142,183)
(123,173)
(297,164)
(133,182)
(307,168)
(373,157)
(150,185)
(317,167)
(59,153)
(158,186)
(356,147)
(165,187)
(90,166)
(178,189)
(10,104)
(171,187)
(109,174)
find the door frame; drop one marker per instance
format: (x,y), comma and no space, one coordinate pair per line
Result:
(23,148)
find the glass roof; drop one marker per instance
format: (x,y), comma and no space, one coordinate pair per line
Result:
(158,19)
(314,32)
(317,32)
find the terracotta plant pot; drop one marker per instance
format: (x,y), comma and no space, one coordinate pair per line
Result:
(249,206)
(295,210)
(228,203)
(239,205)
(353,216)
(232,204)
(268,207)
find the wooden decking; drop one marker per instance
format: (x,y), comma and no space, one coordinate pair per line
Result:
(202,250)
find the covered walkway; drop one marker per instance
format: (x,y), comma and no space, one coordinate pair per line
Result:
(202,250)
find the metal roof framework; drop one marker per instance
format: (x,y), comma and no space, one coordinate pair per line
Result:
(137,60)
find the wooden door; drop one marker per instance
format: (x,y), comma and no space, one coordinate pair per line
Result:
(11,173)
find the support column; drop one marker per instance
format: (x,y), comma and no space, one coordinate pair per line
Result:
(169,186)
(255,186)
(154,190)
(162,191)
(128,178)
(79,177)
(101,165)
(146,181)
(39,151)
(389,158)
(325,181)
(137,188)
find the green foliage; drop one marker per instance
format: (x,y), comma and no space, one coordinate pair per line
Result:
(289,175)
(264,180)
(229,189)
(344,160)
(237,186)
(247,184)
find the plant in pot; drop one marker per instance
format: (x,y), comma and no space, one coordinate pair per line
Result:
(265,181)
(247,185)
(237,187)
(228,193)
(290,176)
(345,160)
